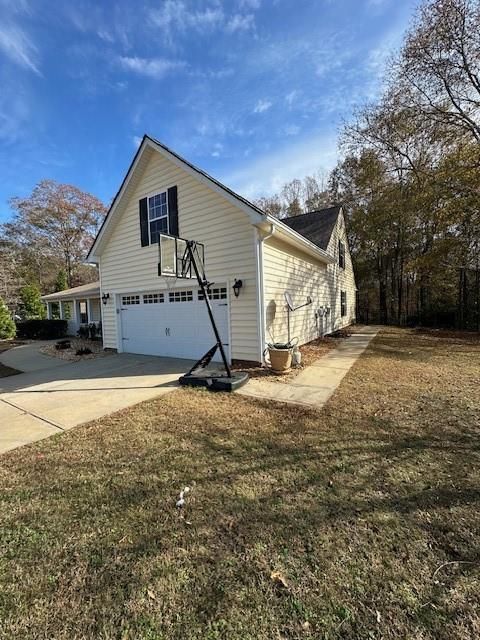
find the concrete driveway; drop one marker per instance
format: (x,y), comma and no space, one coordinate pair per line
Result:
(54,395)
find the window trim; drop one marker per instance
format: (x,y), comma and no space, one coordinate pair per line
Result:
(167,216)
(83,313)
(180,295)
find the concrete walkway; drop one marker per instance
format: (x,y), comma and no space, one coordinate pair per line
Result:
(42,402)
(314,385)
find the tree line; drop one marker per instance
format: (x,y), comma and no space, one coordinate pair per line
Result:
(409,178)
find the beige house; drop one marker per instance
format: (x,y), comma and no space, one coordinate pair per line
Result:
(148,313)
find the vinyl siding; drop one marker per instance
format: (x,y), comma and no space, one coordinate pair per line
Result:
(288,270)
(343,279)
(203,215)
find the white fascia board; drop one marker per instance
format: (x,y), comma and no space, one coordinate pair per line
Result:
(295,239)
(93,257)
(255,216)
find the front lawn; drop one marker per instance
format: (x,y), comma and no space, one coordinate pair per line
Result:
(358,521)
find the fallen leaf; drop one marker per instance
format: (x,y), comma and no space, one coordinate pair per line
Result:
(151,594)
(279,579)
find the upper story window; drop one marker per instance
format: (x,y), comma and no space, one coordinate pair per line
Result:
(341,254)
(157,216)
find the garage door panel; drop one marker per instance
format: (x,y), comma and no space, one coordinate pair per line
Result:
(172,329)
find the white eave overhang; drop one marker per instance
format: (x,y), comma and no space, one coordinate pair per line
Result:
(294,239)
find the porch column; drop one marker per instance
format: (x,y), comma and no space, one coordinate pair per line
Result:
(49,311)
(60,309)
(74,312)
(89,311)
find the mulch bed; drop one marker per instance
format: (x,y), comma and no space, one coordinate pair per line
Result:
(95,346)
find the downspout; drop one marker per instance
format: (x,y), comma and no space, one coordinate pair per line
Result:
(260,287)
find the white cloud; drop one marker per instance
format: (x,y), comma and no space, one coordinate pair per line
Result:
(291,97)
(249,4)
(105,35)
(240,22)
(262,106)
(16,6)
(217,150)
(16,45)
(14,114)
(175,13)
(292,130)
(137,141)
(152,67)
(268,173)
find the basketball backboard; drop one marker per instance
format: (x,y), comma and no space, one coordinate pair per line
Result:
(174,258)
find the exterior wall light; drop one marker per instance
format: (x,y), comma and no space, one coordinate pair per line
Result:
(237,285)
(105,298)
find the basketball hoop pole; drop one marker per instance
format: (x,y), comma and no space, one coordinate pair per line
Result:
(201,283)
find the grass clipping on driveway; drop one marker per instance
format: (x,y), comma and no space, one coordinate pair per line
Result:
(359,521)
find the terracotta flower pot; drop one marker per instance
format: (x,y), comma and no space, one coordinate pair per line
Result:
(280,359)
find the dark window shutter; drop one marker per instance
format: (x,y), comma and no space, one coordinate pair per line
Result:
(172,211)
(143,211)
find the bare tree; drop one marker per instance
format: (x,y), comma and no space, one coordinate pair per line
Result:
(271,205)
(438,71)
(315,191)
(293,194)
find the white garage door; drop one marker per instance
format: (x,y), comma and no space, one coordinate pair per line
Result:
(173,323)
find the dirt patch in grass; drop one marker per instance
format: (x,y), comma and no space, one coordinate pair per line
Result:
(358,521)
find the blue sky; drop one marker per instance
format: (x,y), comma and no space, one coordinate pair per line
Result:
(253,91)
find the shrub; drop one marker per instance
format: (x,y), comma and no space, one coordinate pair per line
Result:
(83,331)
(7,325)
(42,329)
(84,351)
(32,306)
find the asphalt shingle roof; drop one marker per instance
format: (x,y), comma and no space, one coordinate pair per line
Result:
(92,289)
(316,226)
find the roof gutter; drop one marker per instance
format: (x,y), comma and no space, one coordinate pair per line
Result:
(295,239)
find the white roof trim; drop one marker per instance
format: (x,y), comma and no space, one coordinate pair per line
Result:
(255,216)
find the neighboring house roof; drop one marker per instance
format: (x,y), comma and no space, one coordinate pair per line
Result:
(317,226)
(91,290)
(257,215)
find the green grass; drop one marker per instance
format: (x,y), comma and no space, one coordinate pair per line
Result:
(357,508)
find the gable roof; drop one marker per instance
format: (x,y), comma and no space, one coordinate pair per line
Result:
(92,289)
(148,141)
(316,226)
(256,215)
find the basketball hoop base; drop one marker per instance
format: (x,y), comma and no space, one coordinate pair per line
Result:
(215,382)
